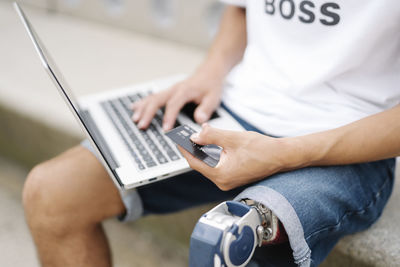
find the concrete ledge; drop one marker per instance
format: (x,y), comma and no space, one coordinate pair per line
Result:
(189,22)
(29,141)
(36,125)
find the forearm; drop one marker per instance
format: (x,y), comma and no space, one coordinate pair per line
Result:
(229,44)
(373,138)
(249,156)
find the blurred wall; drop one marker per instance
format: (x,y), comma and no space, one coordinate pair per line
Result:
(192,22)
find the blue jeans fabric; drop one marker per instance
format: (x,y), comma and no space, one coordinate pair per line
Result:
(317,205)
(332,202)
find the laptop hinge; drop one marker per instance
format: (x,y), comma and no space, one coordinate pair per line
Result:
(101,144)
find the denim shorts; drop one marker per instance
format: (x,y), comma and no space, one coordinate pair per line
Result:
(316,205)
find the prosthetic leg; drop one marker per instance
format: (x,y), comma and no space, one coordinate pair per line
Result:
(228,234)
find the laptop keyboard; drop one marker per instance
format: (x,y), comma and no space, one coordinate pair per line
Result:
(148,148)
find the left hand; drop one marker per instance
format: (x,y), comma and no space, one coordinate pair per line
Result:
(246,156)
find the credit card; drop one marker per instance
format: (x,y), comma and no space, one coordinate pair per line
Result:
(209,154)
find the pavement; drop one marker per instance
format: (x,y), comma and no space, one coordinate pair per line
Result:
(15,242)
(130,246)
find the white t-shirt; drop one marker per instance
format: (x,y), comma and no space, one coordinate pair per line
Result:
(315,65)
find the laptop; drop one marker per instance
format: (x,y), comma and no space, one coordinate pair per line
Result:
(132,157)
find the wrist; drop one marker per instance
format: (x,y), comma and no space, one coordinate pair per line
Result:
(214,69)
(207,79)
(312,149)
(297,153)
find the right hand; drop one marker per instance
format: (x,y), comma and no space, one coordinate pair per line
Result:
(199,88)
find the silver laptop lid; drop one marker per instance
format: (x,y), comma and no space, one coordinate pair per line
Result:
(46,59)
(82,116)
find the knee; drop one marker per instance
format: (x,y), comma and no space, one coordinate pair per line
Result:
(36,196)
(42,199)
(33,196)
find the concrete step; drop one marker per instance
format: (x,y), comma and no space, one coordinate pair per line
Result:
(188,21)
(36,124)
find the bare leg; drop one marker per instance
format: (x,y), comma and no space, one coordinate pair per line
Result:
(65,201)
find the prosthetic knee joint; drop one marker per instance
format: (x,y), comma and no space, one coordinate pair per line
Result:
(228,234)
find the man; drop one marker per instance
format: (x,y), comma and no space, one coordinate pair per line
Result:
(323,77)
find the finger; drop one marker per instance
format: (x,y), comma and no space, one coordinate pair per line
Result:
(172,108)
(207,106)
(135,104)
(211,135)
(195,163)
(147,114)
(144,108)
(137,109)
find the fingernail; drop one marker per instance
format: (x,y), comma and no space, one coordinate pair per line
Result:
(194,136)
(135,116)
(166,126)
(141,124)
(202,116)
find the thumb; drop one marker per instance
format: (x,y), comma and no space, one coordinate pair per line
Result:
(210,135)
(206,108)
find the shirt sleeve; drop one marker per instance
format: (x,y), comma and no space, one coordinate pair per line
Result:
(241,3)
